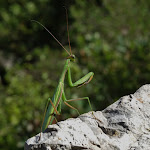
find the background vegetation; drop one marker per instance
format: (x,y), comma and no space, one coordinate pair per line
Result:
(109,37)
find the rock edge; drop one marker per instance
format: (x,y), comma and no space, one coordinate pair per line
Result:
(124,125)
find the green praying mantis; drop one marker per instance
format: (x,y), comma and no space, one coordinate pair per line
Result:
(54,105)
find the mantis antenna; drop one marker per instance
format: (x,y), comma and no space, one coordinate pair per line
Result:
(52,36)
(68,31)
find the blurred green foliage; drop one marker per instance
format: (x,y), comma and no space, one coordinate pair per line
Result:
(110,38)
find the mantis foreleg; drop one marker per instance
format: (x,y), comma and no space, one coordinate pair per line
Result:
(84,80)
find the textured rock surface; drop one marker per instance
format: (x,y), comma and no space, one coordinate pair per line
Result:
(124,125)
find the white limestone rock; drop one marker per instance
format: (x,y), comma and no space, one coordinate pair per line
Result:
(124,125)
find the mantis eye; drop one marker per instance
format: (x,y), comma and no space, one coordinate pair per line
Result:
(72,58)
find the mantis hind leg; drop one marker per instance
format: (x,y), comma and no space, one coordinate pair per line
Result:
(83,98)
(72,107)
(70,100)
(49,101)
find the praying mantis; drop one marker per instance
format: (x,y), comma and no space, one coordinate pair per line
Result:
(54,105)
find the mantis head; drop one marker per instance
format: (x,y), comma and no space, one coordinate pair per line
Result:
(71,57)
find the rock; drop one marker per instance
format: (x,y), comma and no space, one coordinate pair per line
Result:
(124,125)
